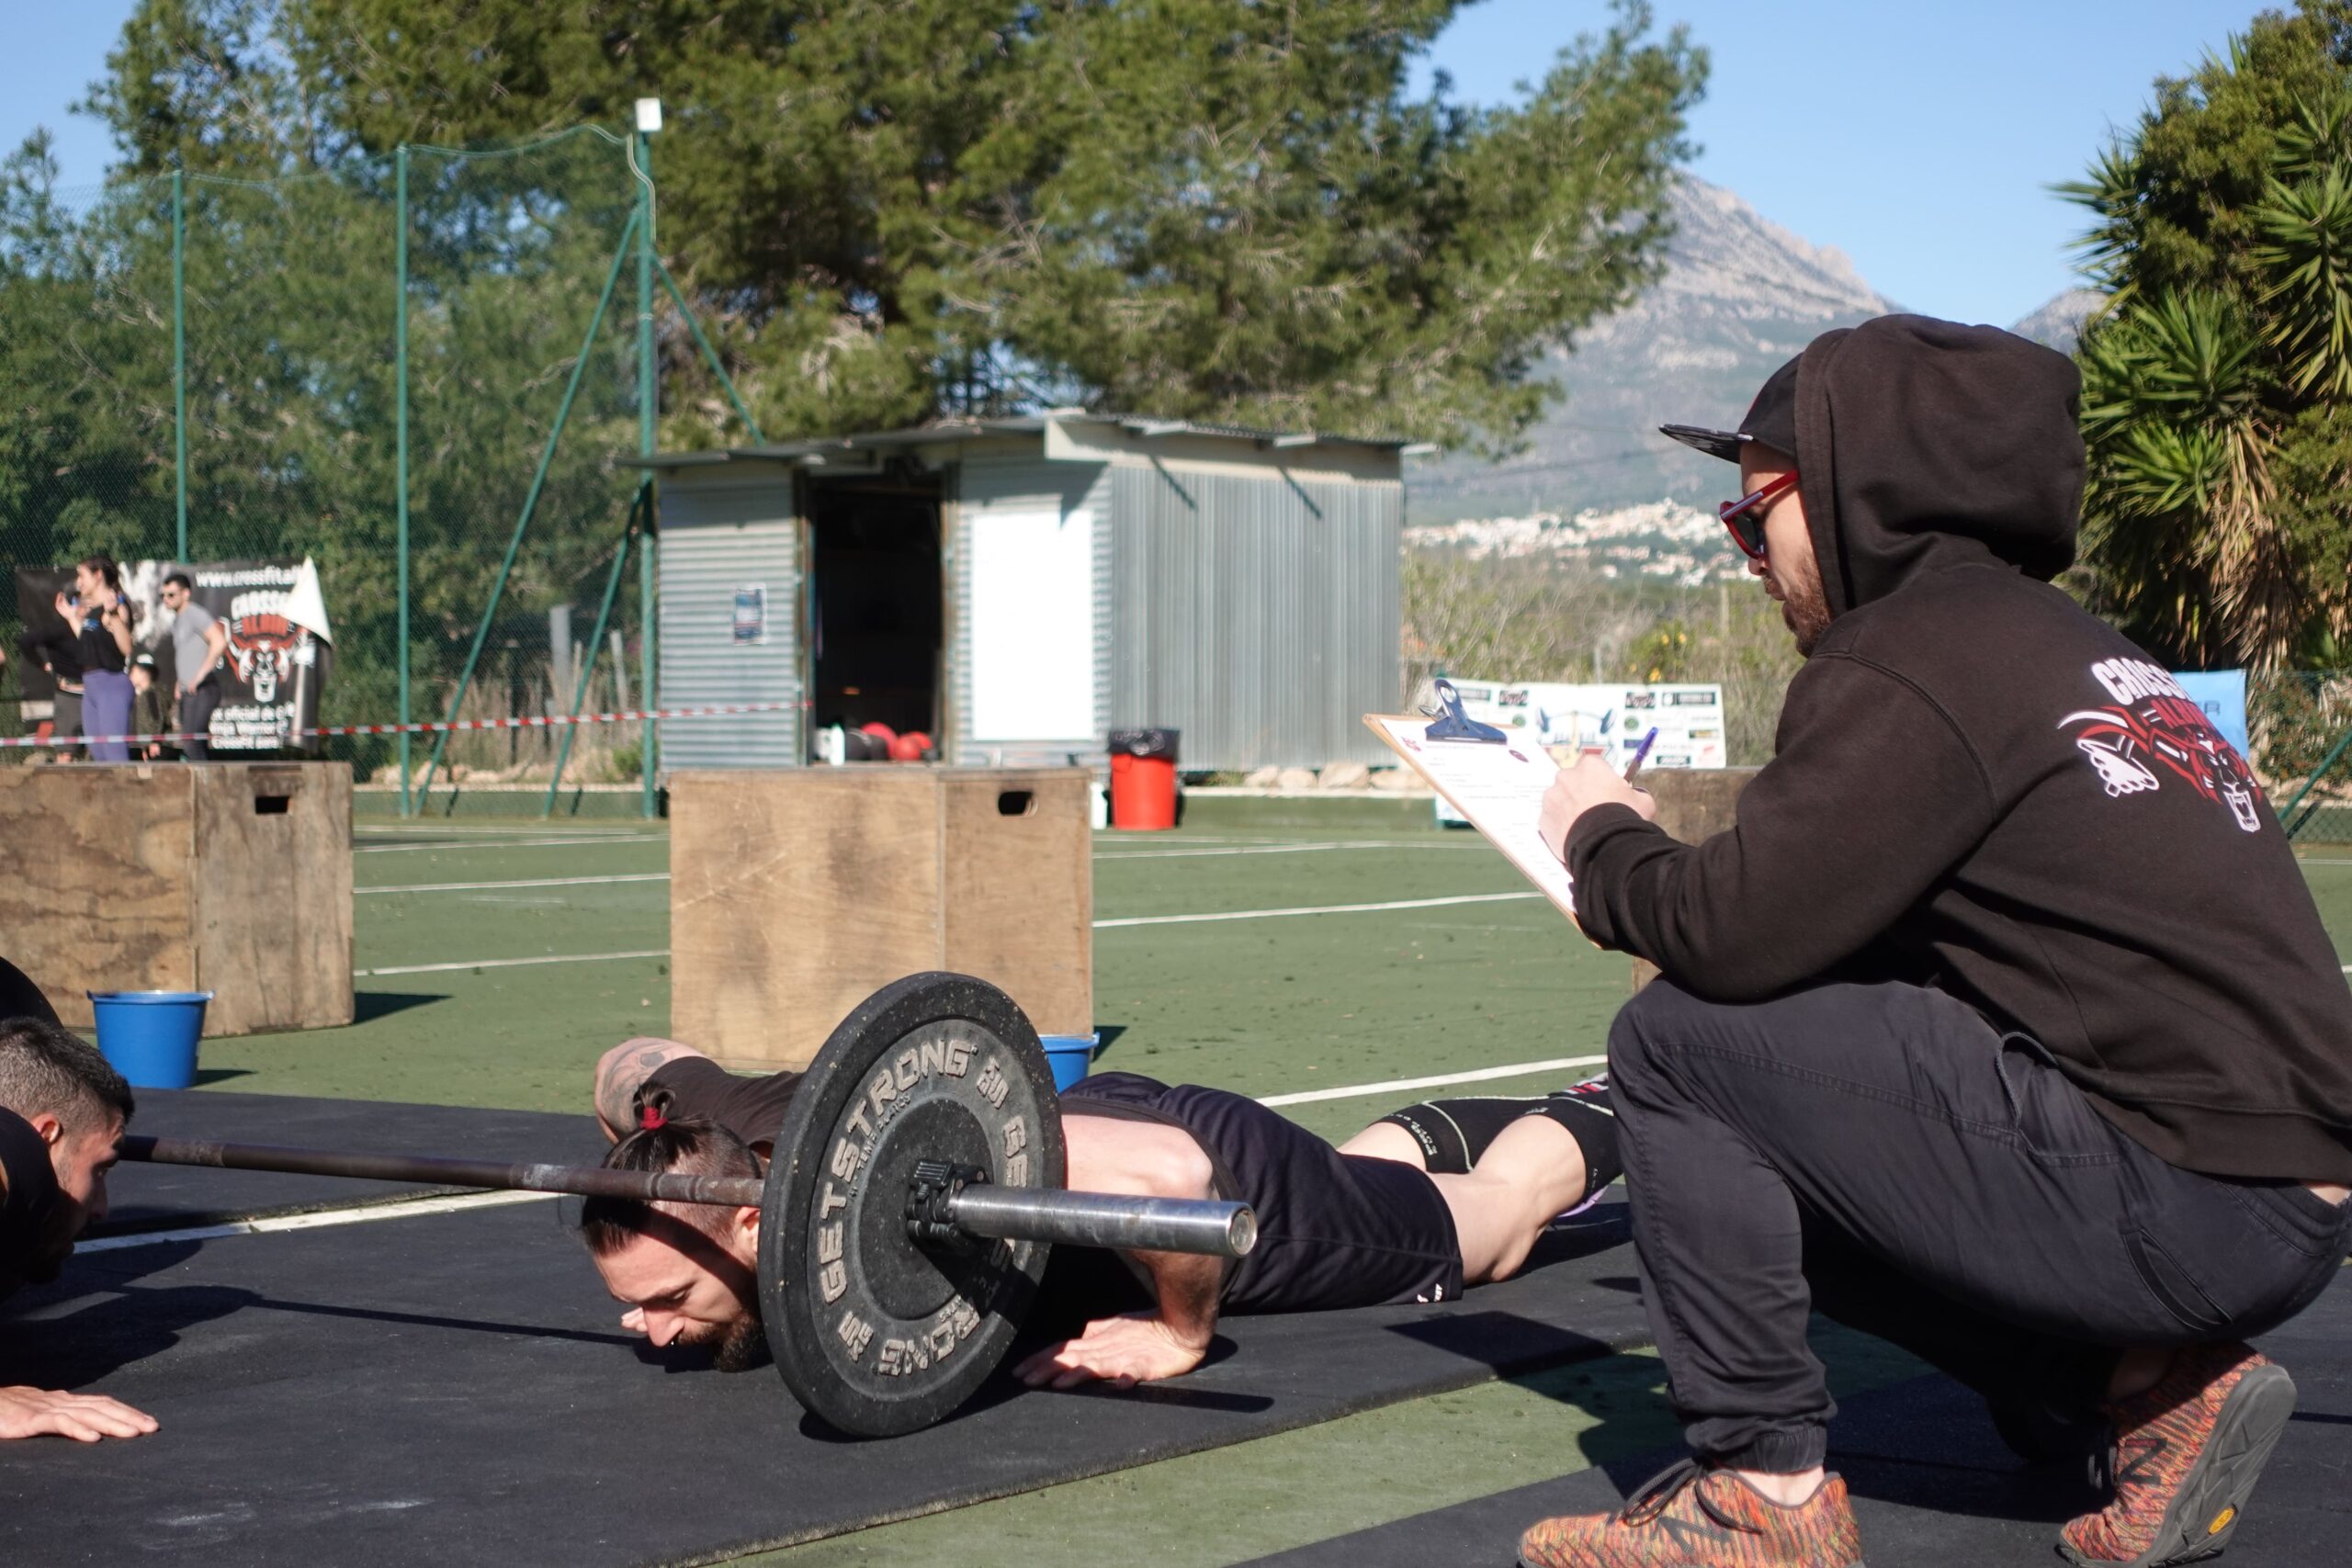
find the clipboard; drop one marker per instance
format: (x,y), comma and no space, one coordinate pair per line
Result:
(1491,778)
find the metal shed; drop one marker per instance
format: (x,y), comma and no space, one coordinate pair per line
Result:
(1018,588)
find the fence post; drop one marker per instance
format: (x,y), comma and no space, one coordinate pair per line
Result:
(588,666)
(400,461)
(2287,818)
(646,394)
(179,358)
(530,500)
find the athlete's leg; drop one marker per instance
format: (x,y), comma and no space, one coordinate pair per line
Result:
(1441,1135)
(1534,1172)
(621,1070)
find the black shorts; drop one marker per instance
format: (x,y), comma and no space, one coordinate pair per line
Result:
(752,1109)
(1334,1230)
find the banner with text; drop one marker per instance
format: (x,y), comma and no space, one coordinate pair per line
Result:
(279,649)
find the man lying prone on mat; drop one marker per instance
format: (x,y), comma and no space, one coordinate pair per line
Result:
(62,1107)
(1415,1207)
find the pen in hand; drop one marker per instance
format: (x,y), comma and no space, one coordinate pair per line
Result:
(1640,754)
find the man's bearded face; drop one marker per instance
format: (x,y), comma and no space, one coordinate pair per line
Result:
(684,1286)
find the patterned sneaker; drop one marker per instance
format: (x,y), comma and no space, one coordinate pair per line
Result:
(1695,1517)
(2188,1453)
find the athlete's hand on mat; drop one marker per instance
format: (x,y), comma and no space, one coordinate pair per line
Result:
(1126,1350)
(1576,790)
(84,1418)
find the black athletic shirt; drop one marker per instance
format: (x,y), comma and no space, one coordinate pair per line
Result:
(97,647)
(752,1109)
(31,1201)
(1334,1230)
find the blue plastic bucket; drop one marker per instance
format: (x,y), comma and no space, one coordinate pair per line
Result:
(150,1036)
(1068,1055)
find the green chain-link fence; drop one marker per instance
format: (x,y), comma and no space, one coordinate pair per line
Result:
(199,369)
(2301,724)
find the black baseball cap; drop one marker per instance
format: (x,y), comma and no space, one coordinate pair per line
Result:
(1772,421)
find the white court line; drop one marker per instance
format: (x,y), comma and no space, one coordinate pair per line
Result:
(507,962)
(510,844)
(1282,849)
(1316,909)
(1131,921)
(664,876)
(319,1219)
(527,882)
(1516,1070)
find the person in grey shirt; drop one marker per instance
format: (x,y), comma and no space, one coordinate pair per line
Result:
(199,646)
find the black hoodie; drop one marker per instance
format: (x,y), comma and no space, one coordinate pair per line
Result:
(1982,788)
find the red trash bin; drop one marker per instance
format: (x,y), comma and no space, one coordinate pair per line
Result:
(1143,779)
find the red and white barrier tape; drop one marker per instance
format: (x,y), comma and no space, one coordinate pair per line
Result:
(521,722)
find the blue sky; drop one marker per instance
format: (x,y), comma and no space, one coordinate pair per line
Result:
(1920,139)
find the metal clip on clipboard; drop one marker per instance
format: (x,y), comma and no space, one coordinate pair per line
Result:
(1452,724)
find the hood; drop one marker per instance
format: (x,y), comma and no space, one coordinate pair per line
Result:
(1925,444)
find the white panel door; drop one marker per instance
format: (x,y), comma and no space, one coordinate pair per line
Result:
(1032,623)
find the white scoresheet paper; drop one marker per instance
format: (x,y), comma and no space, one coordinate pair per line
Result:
(1499,786)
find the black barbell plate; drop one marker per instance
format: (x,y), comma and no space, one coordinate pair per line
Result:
(874,1334)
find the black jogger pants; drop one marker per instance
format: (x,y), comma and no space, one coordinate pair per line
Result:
(1885,1154)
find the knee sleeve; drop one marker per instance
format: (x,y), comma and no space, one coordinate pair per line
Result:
(1452,1134)
(1455,1134)
(1588,1116)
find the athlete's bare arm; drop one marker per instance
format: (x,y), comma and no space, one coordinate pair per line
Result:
(1146,1160)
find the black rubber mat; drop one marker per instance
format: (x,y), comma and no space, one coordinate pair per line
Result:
(161,1196)
(1933,1484)
(456,1389)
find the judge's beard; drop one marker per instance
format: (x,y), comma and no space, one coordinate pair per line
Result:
(1804,609)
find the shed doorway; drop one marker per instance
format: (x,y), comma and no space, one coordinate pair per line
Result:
(874,612)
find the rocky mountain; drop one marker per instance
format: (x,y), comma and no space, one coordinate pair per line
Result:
(1741,294)
(1598,486)
(2059,323)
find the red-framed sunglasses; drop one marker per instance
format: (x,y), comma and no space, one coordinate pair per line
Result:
(1745,517)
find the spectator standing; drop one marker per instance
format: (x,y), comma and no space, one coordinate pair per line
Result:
(151,710)
(199,647)
(51,646)
(100,619)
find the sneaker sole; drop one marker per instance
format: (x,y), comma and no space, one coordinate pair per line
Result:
(2206,1510)
(1856,1563)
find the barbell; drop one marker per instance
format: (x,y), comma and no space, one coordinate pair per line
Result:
(913,1196)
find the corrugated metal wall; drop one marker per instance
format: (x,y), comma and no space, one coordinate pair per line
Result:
(1260,616)
(1023,484)
(720,531)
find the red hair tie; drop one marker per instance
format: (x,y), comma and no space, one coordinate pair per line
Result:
(651,1117)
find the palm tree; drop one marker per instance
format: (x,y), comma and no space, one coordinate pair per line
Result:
(2217,393)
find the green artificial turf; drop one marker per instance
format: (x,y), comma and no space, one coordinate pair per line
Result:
(1264,1005)
(1290,1490)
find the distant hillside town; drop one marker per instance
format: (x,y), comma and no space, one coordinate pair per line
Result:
(1661,539)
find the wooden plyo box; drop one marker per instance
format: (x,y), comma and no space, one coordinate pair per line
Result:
(1694,804)
(795,893)
(228,877)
